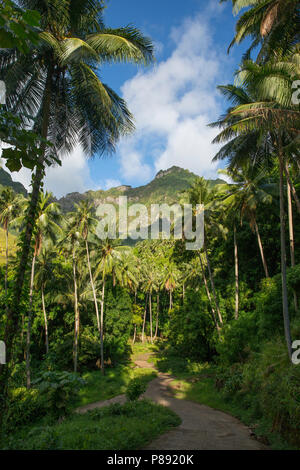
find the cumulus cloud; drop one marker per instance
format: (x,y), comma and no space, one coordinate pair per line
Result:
(111,183)
(72,176)
(172,104)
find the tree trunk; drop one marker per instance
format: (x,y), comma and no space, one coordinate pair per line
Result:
(45,320)
(183,292)
(102,323)
(213,288)
(261,248)
(13,314)
(209,296)
(157,315)
(291,233)
(28,337)
(285,306)
(134,335)
(292,187)
(6,266)
(236,266)
(144,321)
(171,299)
(76,311)
(93,288)
(150,313)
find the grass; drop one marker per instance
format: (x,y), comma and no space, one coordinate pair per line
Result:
(113,383)
(196,382)
(117,427)
(11,245)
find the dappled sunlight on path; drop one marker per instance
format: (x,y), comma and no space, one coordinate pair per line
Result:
(202,427)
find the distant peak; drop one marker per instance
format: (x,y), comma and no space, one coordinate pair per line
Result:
(173,168)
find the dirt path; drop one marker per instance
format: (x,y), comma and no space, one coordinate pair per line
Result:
(202,428)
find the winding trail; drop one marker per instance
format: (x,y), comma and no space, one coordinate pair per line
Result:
(202,427)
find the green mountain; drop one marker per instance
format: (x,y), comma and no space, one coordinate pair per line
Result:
(6,180)
(165,188)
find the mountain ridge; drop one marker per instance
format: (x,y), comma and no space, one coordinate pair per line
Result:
(164,188)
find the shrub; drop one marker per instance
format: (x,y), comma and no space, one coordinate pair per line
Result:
(135,389)
(58,390)
(25,407)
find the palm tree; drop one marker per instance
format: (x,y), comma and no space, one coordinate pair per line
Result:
(250,189)
(46,229)
(56,85)
(10,205)
(70,244)
(110,255)
(291,234)
(200,192)
(86,224)
(150,285)
(272,24)
(44,273)
(191,277)
(170,278)
(271,113)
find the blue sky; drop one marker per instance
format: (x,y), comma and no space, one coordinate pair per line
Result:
(172,101)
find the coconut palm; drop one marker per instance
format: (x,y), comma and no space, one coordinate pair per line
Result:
(170,279)
(69,244)
(201,192)
(108,257)
(10,206)
(56,86)
(272,24)
(150,285)
(86,225)
(46,230)
(249,191)
(275,117)
(44,274)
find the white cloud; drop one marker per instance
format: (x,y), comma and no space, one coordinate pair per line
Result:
(111,183)
(173,103)
(72,176)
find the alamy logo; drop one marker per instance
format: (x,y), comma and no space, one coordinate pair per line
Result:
(296,354)
(2,352)
(2,92)
(296,94)
(160,221)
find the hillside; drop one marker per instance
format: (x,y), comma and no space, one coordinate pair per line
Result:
(11,245)
(165,188)
(6,181)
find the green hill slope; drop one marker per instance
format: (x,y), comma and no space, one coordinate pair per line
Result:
(12,240)
(165,188)
(6,180)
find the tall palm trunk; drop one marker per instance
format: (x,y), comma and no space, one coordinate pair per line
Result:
(236,269)
(13,313)
(212,282)
(171,299)
(157,315)
(134,335)
(76,311)
(285,306)
(292,187)
(261,248)
(28,336)
(150,314)
(291,233)
(144,320)
(6,264)
(93,287)
(102,323)
(209,296)
(45,319)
